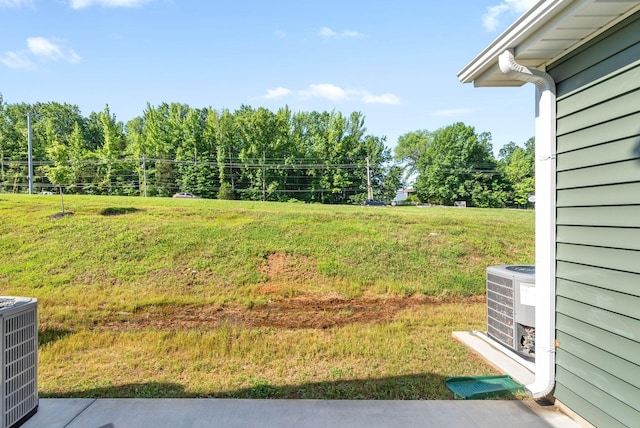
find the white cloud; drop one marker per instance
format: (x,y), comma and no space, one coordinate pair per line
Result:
(276,93)
(281,34)
(81,4)
(452,112)
(331,92)
(491,20)
(327,32)
(47,50)
(39,48)
(17,3)
(17,60)
(391,99)
(336,93)
(324,90)
(330,34)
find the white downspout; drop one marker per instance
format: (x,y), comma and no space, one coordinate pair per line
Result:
(545,246)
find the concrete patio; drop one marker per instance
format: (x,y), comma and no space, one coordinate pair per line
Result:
(192,413)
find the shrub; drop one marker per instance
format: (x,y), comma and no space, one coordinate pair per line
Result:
(226,192)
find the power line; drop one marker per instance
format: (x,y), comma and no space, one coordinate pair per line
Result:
(237,164)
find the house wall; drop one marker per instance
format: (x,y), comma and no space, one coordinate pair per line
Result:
(598,228)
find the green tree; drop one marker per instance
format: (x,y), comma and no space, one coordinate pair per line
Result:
(113,174)
(459,165)
(518,166)
(520,172)
(391,183)
(257,130)
(136,150)
(221,137)
(285,148)
(385,178)
(506,151)
(77,155)
(93,132)
(60,172)
(196,157)
(303,179)
(160,150)
(310,135)
(410,149)
(259,154)
(530,148)
(5,142)
(59,118)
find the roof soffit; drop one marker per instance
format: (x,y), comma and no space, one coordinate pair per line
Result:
(545,32)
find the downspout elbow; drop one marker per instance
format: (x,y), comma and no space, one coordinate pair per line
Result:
(511,68)
(545,253)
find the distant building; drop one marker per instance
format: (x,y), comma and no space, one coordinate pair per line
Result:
(403,194)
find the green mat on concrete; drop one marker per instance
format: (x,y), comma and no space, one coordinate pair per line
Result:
(479,387)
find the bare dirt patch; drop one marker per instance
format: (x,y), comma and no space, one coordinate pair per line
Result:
(284,271)
(294,313)
(60,215)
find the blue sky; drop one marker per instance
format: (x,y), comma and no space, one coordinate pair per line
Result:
(394,61)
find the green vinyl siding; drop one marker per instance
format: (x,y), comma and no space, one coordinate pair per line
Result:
(612,258)
(604,56)
(616,151)
(627,327)
(599,367)
(603,112)
(615,194)
(628,239)
(612,412)
(618,129)
(590,412)
(609,89)
(598,227)
(586,333)
(620,172)
(623,282)
(622,304)
(607,216)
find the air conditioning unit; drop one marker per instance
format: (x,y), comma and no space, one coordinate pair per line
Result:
(511,307)
(19,330)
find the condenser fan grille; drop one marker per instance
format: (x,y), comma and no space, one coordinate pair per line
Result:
(19,321)
(500,309)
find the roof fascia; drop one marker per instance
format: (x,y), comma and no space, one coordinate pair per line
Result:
(528,24)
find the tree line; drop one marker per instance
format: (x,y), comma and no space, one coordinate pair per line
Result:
(252,154)
(455,163)
(255,154)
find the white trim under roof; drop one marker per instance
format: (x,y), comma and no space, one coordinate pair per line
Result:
(549,29)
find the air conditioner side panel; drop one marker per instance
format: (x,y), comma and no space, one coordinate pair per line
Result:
(500,307)
(525,305)
(19,349)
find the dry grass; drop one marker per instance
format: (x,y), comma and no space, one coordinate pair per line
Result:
(405,357)
(182,298)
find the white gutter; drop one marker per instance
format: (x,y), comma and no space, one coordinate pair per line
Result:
(528,24)
(545,246)
(549,30)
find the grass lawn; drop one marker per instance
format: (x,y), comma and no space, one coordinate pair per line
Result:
(152,297)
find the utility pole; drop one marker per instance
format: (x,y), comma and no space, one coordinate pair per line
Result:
(369,188)
(233,181)
(264,179)
(30,153)
(144,176)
